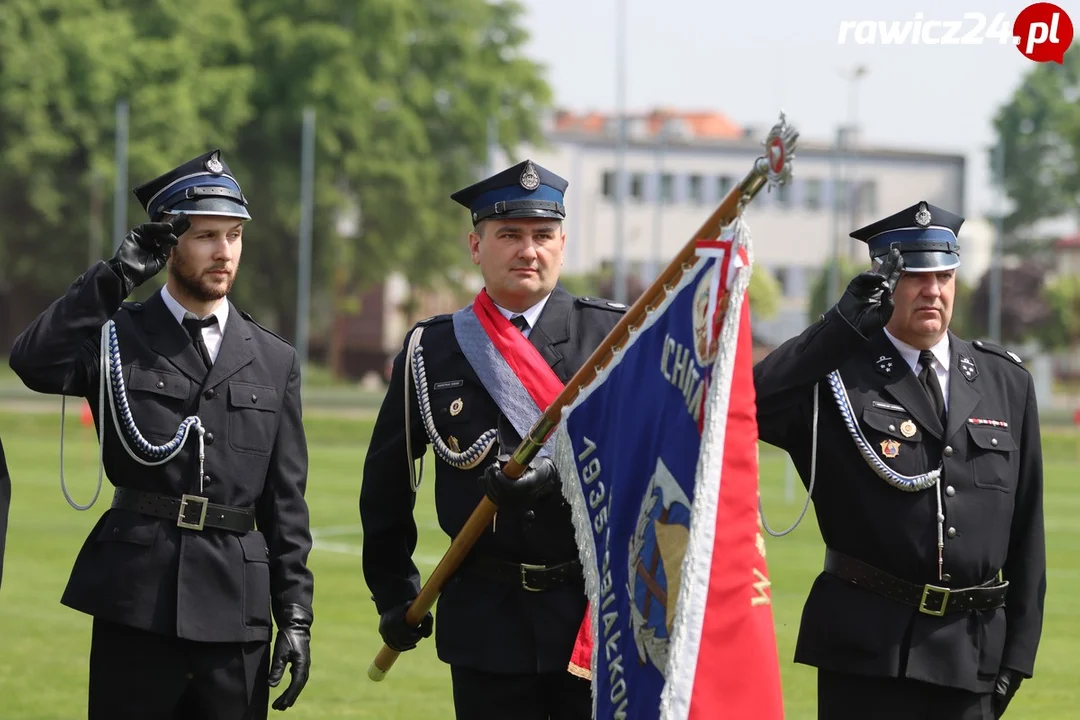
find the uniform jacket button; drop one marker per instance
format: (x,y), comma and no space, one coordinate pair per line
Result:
(530,514)
(254,398)
(207,479)
(209,394)
(950,491)
(952,533)
(947,452)
(946,577)
(209,438)
(160,384)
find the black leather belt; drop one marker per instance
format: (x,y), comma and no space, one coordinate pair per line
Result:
(929,599)
(534,578)
(189,511)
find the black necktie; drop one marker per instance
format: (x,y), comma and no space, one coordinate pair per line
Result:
(930,383)
(194,327)
(520,323)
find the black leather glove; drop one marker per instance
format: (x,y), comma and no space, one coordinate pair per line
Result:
(539,480)
(398,634)
(1008,682)
(867,303)
(145,249)
(293,646)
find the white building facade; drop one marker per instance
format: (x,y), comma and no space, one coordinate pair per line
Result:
(672,186)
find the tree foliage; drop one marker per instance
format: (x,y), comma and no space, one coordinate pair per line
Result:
(1024,308)
(1062,330)
(402,92)
(1039,129)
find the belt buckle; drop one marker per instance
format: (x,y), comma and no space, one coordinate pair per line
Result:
(524,579)
(192,501)
(927,589)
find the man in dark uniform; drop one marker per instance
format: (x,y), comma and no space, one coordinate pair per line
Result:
(931,600)
(5,504)
(207,537)
(509,617)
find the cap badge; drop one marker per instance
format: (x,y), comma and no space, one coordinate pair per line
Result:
(530,179)
(214,165)
(922,218)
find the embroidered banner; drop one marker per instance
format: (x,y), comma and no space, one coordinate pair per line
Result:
(659,461)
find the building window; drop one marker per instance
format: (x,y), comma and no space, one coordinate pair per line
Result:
(697,189)
(607,184)
(868,197)
(637,187)
(842,195)
(667,187)
(726,182)
(813,194)
(783,195)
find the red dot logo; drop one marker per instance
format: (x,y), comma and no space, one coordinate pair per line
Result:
(1043,32)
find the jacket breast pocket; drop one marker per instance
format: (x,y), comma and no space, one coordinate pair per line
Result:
(256,580)
(896,425)
(452,407)
(992,453)
(157,399)
(252,417)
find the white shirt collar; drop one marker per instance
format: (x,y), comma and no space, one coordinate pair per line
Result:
(179,311)
(531,315)
(911,353)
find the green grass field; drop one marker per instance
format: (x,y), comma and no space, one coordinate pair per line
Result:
(44,646)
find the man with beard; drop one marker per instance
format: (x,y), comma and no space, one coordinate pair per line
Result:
(930,603)
(181,586)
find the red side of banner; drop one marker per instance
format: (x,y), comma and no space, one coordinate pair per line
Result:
(738,668)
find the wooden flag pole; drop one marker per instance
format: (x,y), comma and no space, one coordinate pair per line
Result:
(773,169)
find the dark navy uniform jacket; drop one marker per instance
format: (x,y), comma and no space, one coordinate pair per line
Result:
(5,503)
(992,488)
(209,585)
(481,623)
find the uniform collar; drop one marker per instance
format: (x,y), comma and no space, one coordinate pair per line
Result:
(178,311)
(531,315)
(911,353)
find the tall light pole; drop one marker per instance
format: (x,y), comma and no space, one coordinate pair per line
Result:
(994,321)
(121,162)
(843,151)
(307,210)
(619,280)
(853,142)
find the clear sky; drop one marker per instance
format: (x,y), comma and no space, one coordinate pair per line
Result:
(749,60)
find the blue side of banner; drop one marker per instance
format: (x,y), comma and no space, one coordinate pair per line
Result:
(635,442)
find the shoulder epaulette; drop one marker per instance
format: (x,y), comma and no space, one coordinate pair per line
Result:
(435,319)
(997,350)
(602,304)
(247,316)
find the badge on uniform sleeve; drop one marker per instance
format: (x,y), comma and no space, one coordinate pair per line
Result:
(908,429)
(456,406)
(890,448)
(885,364)
(967,368)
